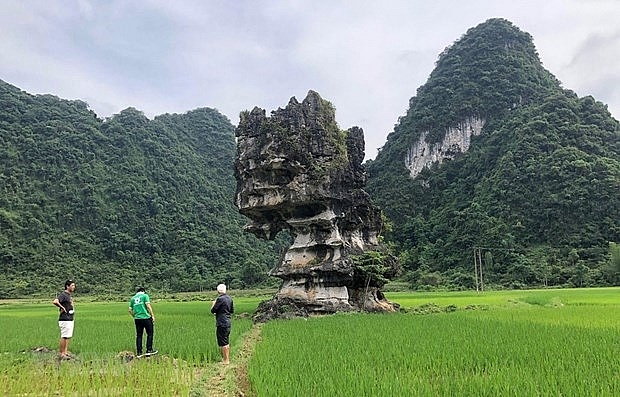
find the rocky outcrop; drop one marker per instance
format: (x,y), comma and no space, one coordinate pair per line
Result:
(457,140)
(297,171)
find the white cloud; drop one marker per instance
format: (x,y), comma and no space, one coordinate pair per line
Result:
(367,57)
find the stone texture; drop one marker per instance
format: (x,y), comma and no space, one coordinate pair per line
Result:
(297,171)
(457,140)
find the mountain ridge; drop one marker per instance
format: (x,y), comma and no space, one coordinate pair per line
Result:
(513,188)
(119,202)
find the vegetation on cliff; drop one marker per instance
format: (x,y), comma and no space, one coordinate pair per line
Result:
(537,191)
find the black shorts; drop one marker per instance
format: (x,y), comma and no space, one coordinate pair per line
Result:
(222,334)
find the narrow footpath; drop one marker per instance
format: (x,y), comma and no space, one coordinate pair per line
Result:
(231,380)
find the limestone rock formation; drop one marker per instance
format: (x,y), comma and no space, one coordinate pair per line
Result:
(297,171)
(457,140)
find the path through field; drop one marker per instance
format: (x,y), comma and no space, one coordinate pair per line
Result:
(232,380)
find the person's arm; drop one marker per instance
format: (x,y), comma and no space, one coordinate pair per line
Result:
(150,309)
(215,305)
(57,303)
(232,307)
(130,311)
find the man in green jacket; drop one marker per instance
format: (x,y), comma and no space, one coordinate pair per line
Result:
(142,312)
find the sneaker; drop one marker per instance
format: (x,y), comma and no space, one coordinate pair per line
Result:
(139,355)
(150,353)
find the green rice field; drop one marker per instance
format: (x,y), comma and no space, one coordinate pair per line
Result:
(104,335)
(496,343)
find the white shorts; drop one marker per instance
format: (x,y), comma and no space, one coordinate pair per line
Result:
(66,329)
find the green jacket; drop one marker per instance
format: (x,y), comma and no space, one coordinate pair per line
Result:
(138,305)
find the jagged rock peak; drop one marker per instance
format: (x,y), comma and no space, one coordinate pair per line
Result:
(305,131)
(298,145)
(297,171)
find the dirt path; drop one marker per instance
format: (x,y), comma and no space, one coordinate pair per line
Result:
(232,380)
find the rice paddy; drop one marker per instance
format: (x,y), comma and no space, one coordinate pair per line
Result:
(499,343)
(103,346)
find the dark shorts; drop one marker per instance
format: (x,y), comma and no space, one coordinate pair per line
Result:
(222,334)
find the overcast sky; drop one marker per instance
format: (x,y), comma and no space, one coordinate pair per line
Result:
(366,57)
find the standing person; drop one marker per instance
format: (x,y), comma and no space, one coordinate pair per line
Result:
(64,302)
(142,312)
(223,307)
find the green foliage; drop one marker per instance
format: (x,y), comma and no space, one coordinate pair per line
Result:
(373,268)
(538,187)
(614,251)
(119,202)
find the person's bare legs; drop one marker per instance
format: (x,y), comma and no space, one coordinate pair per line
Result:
(225,354)
(64,347)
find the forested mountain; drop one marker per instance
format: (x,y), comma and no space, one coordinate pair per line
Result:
(538,189)
(534,190)
(119,202)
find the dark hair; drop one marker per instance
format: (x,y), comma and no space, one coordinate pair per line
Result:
(141,289)
(68,283)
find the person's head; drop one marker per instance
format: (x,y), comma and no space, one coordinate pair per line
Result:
(69,285)
(140,289)
(221,289)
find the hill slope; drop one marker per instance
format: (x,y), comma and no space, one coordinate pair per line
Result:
(119,202)
(494,153)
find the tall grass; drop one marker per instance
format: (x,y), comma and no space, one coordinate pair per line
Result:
(184,336)
(506,343)
(524,349)
(568,296)
(39,375)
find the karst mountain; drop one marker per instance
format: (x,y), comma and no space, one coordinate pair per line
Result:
(497,176)
(496,166)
